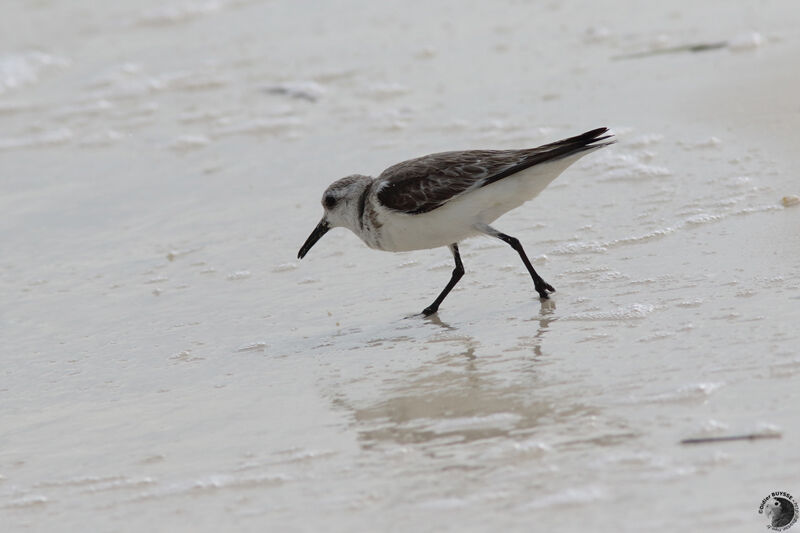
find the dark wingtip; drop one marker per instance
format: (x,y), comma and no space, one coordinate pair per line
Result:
(595,132)
(593,139)
(584,141)
(580,143)
(558,150)
(596,135)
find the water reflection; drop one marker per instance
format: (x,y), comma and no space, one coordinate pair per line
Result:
(470,391)
(436,321)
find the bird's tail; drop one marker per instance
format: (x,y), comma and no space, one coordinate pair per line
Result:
(580,143)
(591,140)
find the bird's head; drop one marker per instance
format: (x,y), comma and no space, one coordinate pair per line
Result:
(343,205)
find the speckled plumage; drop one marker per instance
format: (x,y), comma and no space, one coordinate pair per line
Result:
(440,199)
(420,185)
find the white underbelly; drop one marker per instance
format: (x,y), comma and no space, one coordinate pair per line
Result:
(455,220)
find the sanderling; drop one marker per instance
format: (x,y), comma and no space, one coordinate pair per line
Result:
(440,199)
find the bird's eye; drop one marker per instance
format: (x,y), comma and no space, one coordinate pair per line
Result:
(329,201)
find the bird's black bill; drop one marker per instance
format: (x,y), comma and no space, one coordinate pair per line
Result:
(321,229)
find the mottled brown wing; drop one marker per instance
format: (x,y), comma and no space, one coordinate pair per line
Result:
(423,184)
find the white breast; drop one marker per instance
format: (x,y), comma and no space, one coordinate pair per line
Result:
(455,220)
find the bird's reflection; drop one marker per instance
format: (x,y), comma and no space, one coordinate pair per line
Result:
(546,316)
(473,391)
(436,321)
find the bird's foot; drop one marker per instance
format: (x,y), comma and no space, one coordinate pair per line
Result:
(543,288)
(424,314)
(428,311)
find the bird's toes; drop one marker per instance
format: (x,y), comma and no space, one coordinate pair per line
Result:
(543,288)
(424,314)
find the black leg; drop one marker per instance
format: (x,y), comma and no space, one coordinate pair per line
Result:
(458,272)
(541,286)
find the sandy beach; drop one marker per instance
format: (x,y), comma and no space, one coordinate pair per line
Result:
(169,364)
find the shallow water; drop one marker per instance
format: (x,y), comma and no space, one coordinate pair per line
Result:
(169,364)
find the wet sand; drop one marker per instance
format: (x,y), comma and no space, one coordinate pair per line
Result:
(169,364)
